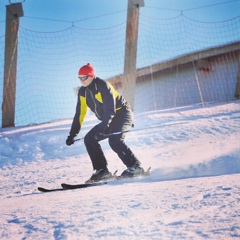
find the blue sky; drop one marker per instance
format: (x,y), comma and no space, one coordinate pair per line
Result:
(106,13)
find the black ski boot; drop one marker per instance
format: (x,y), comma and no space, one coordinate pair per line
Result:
(133,171)
(100,175)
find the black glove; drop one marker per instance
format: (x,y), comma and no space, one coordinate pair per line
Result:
(100,130)
(69,141)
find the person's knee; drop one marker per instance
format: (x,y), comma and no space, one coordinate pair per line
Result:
(115,143)
(88,139)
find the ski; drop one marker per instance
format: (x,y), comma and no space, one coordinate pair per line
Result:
(71,186)
(41,189)
(66,186)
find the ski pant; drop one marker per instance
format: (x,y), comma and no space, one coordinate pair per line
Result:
(122,121)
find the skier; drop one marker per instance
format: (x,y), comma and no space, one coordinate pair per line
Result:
(115,115)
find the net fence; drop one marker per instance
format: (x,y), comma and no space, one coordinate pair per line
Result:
(48,63)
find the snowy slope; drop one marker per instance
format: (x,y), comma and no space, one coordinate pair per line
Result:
(193,191)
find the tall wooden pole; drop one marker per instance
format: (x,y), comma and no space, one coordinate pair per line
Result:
(13,12)
(129,76)
(237,89)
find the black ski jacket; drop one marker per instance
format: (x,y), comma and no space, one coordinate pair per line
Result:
(102,99)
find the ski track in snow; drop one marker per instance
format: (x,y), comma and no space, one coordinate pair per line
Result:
(193,191)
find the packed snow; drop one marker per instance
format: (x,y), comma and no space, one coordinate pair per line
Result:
(193,191)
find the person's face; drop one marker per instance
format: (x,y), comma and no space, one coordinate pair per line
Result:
(85,80)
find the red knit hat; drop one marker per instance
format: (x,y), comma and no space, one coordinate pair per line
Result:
(87,70)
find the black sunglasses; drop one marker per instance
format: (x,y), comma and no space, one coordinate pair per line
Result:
(83,78)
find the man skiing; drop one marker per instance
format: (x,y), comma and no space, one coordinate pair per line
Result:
(115,115)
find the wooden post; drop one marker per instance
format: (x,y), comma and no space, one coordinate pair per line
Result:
(237,89)
(129,76)
(13,12)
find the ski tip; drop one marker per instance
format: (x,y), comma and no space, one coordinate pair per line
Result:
(43,189)
(115,173)
(148,170)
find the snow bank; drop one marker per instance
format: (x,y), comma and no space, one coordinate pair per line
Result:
(192,193)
